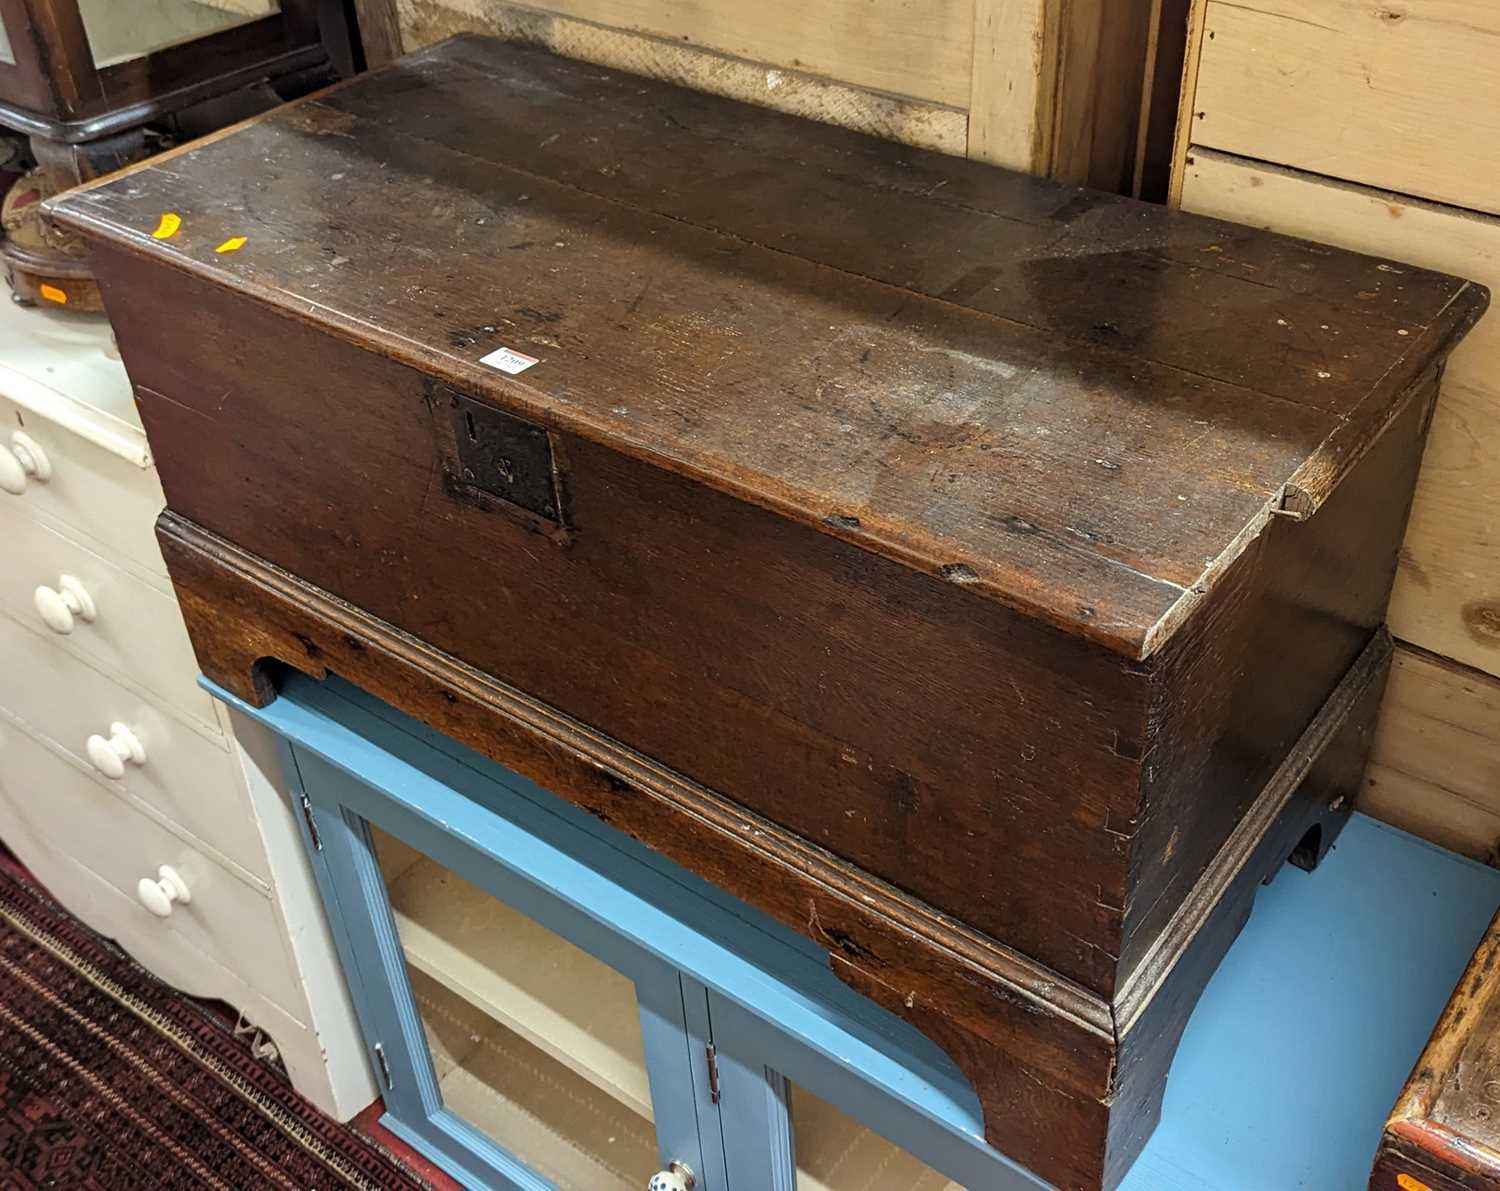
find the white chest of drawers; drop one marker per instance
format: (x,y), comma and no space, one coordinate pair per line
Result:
(113,763)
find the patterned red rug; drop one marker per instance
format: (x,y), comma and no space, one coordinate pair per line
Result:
(111,1080)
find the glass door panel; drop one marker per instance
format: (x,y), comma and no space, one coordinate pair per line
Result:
(119,32)
(7,55)
(534,1042)
(834,1152)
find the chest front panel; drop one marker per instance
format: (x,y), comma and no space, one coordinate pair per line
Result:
(880,713)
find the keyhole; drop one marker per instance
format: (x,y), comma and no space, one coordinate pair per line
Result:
(469,423)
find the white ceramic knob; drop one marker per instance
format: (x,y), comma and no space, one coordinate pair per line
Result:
(59,606)
(158,896)
(24,459)
(676,1177)
(110,756)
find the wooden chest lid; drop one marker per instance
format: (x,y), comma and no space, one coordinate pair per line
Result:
(1079,405)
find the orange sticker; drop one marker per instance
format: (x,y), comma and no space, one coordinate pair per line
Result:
(233,244)
(53,294)
(167,228)
(1407,1183)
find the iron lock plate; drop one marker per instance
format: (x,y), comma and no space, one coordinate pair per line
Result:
(500,455)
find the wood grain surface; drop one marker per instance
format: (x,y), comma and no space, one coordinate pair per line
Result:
(1015,551)
(1070,1082)
(1193,429)
(1447,597)
(1403,97)
(1444,1133)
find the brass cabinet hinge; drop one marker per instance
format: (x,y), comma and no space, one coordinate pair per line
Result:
(713,1072)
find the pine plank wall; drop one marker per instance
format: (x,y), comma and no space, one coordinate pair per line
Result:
(1391,146)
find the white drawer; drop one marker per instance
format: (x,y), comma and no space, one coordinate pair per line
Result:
(190,779)
(95,491)
(137,632)
(226,919)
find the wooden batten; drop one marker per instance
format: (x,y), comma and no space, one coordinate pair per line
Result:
(1012,96)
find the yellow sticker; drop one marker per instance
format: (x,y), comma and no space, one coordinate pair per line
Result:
(167,228)
(1407,1183)
(53,294)
(233,244)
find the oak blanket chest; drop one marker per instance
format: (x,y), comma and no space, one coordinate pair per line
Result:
(982,576)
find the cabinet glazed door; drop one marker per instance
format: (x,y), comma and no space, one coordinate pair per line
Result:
(780,1136)
(548,1003)
(520,1041)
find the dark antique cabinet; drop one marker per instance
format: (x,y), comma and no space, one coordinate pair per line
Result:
(1444,1132)
(74,71)
(982,577)
(95,84)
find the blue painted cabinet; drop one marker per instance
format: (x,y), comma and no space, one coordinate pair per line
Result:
(549,1004)
(540,994)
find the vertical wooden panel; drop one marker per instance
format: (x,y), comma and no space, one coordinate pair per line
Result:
(1060,87)
(1053,87)
(1169,27)
(1011,92)
(1102,52)
(379,30)
(1187,100)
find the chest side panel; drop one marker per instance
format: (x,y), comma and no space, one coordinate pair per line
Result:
(1248,674)
(982,762)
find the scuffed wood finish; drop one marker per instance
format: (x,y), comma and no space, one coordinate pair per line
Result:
(1298,814)
(1404,97)
(1070,1081)
(1253,668)
(1436,764)
(1039,1047)
(732,625)
(951,303)
(1447,596)
(1444,1133)
(1003,557)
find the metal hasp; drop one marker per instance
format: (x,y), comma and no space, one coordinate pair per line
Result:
(502,455)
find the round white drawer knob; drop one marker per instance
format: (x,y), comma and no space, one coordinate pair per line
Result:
(158,896)
(109,756)
(60,605)
(676,1177)
(22,459)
